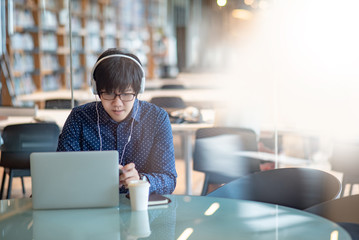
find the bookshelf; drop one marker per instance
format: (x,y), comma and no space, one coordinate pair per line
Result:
(39,48)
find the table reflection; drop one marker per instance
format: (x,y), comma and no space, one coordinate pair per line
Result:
(76,224)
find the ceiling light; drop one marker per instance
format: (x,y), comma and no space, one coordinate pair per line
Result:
(221,3)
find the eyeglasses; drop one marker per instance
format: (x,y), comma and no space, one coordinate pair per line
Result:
(125,97)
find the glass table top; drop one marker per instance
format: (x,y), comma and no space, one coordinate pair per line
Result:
(186,217)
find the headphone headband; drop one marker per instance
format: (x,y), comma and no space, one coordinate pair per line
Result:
(93,81)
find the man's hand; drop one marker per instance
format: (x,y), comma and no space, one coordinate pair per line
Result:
(129,173)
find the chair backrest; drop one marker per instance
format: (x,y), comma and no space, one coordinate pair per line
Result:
(172,86)
(298,188)
(169,102)
(59,103)
(22,139)
(343,209)
(215,154)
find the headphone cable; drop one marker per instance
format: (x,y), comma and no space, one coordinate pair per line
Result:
(98,125)
(129,137)
(131,129)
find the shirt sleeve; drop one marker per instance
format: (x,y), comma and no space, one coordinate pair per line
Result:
(69,137)
(162,175)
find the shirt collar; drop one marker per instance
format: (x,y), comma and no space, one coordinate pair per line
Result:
(105,117)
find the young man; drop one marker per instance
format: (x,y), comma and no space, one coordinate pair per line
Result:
(140,131)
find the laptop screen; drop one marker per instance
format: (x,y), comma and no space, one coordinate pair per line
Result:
(63,180)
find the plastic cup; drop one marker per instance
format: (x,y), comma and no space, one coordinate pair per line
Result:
(139,190)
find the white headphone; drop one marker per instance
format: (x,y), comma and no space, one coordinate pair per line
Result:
(93,81)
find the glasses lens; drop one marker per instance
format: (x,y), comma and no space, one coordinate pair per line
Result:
(127,96)
(108,96)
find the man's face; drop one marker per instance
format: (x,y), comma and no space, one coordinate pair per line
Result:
(118,109)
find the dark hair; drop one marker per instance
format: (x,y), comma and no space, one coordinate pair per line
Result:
(117,73)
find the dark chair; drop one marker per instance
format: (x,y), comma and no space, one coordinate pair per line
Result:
(343,211)
(19,141)
(338,210)
(59,103)
(215,154)
(172,86)
(169,102)
(351,228)
(345,159)
(298,188)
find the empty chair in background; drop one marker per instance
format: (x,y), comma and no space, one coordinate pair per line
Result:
(169,102)
(343,211)
(20,141)
(177,109)
(172,86)
(298,188)
(345,159)
(59,103)
(215,155)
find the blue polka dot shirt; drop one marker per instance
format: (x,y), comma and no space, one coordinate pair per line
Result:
(150,148)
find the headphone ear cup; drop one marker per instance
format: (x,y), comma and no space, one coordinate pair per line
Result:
(93,86)
(143,83)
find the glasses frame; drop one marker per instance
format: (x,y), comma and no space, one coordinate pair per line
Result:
(121,95)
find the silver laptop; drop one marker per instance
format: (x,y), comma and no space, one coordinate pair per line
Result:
(63,180)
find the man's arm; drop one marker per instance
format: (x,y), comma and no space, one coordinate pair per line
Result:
(162,175)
